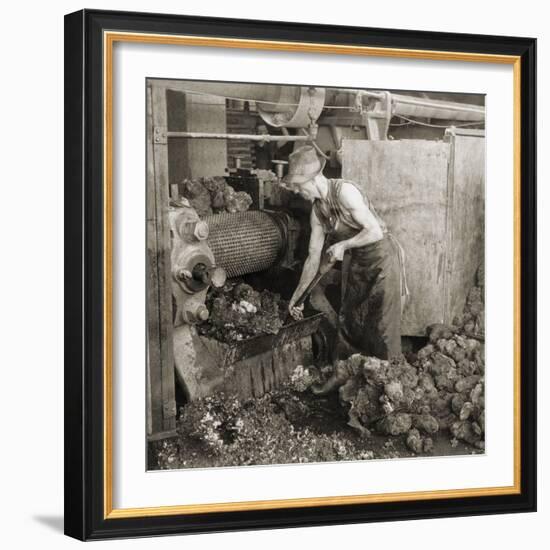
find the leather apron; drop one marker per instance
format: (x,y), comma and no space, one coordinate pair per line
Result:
(373,282)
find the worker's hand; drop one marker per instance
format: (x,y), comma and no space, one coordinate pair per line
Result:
(296,312)
(336,251)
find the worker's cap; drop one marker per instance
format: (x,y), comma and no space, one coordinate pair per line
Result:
(303,165)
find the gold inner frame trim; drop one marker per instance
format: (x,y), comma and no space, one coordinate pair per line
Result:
(109,39)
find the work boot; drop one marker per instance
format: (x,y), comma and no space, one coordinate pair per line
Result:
(333,383)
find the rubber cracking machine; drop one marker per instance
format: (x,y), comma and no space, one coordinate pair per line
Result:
(207,251)
(192,253)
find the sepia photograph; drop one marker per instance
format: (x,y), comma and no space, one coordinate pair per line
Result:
(315,274)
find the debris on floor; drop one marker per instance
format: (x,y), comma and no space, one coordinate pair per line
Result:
(282,427)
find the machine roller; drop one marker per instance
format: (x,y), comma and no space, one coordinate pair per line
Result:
(247,242)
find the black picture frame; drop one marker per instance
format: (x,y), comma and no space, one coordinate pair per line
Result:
(85,517)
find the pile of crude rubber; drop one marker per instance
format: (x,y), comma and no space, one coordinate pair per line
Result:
(472,320)
(213,195)
(443,391)
(237,312)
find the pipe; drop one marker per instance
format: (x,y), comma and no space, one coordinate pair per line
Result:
(251,137)
(274,97)
(425,107)
(269,93)
(433,108)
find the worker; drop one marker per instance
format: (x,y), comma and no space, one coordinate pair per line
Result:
(345,225)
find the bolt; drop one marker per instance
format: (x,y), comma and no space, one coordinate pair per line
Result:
(201,313)
(218,277)
(184,274)
(201,230)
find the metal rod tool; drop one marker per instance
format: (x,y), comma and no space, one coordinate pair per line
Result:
(326,264)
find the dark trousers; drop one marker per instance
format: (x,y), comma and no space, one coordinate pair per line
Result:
(370,314)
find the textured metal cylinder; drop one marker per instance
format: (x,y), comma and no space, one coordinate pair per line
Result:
(245,242)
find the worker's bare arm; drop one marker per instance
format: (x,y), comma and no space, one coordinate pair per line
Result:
(311,265)
(317,237)
(352,201)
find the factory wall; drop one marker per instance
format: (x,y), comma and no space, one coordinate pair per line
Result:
(194,158)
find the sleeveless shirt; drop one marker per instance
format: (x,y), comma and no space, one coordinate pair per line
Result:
(332,216)
(338,224)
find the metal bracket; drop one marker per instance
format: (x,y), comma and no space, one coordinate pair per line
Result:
(376,119)
(160,136)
